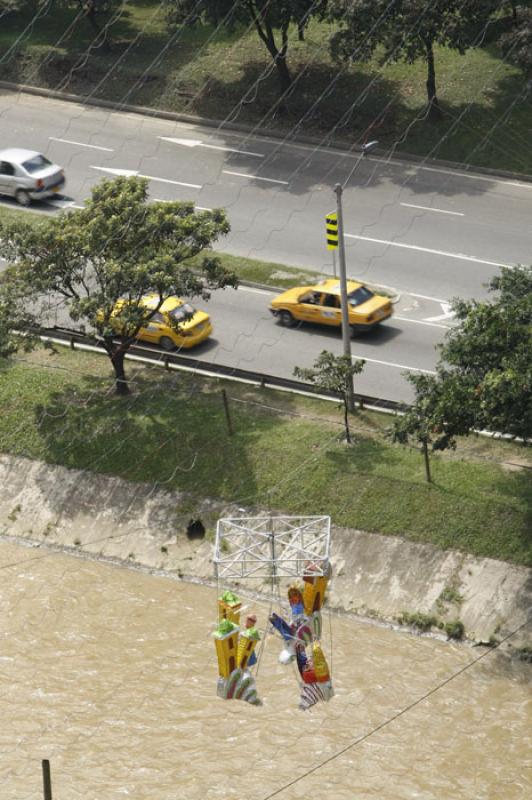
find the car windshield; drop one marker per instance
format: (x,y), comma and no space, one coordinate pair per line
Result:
(182,313)
(36,163)
(359,296)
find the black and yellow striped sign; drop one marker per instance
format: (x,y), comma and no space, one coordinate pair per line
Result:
(331,222)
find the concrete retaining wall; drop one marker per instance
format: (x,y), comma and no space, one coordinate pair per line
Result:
(374,575)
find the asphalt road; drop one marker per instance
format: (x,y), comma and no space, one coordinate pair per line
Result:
(429,233)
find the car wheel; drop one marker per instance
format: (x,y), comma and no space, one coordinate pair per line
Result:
(166,343)
(286,319)
(356,330)
(22,197)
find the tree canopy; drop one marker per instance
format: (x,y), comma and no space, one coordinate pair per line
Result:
(516,44)
(8,342)
(407,30)
(484,376)
(118,247)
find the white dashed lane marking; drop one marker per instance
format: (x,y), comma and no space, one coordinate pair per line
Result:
(253,177)
(437,210)
(81,144)
(128,173)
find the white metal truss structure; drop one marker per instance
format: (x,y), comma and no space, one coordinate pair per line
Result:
(271,547)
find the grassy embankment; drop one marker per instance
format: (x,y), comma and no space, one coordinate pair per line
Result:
(172,430)
(487,119)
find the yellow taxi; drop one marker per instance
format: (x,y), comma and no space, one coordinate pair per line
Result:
(321,304)
(175,324)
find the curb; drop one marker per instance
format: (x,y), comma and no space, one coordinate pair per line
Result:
(272,133)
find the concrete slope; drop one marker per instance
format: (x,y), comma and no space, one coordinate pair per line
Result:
(144,525)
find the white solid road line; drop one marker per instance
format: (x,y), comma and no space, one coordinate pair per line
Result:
(57,203)
(82,144)
(128,173)
(460,256)
(253,177)
(254,290)
(470,175)
(438,210)
(447,313)
(197,208)
(426,297)
(200,143)
(421,322)
(393,364)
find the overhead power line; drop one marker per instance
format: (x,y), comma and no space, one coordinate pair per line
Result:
(400,713)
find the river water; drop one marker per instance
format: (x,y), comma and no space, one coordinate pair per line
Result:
(111,674)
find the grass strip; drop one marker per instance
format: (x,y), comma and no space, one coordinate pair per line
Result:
(172,431)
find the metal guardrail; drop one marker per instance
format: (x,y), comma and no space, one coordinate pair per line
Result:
(177,361)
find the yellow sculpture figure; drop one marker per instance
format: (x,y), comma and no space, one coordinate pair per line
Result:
(226,641)
(229,605)
(321,667)
(247,642)
(314,591)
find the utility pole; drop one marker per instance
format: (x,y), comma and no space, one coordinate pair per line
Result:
(346,330)
(46,779)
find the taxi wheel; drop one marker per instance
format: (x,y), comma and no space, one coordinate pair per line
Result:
(22,198)
(166,343)
(286,319)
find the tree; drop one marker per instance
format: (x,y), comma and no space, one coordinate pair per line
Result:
(14,320)
(407,30)
(333,373)
(516,44)
(119,247)
(484,376)
(270,18)
(91,10)
(8,341)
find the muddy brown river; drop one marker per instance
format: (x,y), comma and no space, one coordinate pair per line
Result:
(111,674)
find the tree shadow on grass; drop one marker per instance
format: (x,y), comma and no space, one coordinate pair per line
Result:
(170,433)
(349,113)
(365,456)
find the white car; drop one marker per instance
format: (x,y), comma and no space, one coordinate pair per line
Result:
(27,175)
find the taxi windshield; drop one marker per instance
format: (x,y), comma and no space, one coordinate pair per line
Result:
(359,296)
(182,313)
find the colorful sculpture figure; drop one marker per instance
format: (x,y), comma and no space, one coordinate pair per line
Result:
(235,651)
(305,632)
(235,647)
(295,598)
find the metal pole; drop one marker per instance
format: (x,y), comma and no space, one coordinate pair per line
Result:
(334,263)
(47,781)
(227,412)
(427,462)
(346,330)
